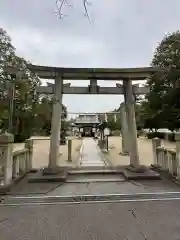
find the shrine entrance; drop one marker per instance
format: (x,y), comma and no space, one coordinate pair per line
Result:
(126,88)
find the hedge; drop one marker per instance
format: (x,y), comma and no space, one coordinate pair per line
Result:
(161,135)
(116,133)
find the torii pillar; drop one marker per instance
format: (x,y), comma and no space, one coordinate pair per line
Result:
(124,130)
(53,167)
(131,120)
(135,170)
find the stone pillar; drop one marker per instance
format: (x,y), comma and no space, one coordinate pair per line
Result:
(55,127)
(69,150)
(177,139)
(79,133)
(129,101)
(124,130)
(6,157)
(156,142)
(29,146)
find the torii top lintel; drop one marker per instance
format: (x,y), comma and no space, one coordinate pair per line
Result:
(46,72)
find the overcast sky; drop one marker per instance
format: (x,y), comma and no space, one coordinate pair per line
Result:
(123,33)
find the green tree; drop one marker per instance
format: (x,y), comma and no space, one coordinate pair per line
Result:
(7,55)
(162,103)
(43,115)
(30,112)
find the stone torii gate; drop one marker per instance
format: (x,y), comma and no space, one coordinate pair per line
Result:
(127,75)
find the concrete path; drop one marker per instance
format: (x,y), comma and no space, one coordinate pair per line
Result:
(90,155)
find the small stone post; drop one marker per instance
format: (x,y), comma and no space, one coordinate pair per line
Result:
(156,142)
(6,157)
(69,150)
(177,139)
(29,146)
(107,143)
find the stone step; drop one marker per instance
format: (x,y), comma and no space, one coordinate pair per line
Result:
(91,164)
(158,196)
(89,170)
(81,178)
(94,180)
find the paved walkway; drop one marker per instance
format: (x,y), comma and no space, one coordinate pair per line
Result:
(90,155)
(137,221)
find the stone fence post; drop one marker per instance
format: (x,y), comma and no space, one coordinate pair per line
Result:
(156,142)
(177,139)
(69,150)
(6,157)
(29,146)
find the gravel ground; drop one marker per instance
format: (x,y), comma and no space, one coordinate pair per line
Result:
(145,151)
(41,152)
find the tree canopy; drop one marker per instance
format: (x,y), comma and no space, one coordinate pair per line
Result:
(21,106)
(162,105)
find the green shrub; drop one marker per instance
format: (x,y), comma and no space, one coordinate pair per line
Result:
(151,135)
(19,138)
(170,137)
(162,135)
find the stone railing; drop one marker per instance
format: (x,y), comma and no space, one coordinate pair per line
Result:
(166,159)
(14,164)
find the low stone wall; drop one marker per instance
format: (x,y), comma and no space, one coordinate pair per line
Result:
(14,164)
(166,159)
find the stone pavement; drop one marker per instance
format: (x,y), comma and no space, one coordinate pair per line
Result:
(90,154)
(126,221)
(85,221)
(77,184)
(118,220)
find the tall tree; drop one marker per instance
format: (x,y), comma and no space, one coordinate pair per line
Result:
(30,112)
(43,115)
(7,55)
(162,102)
